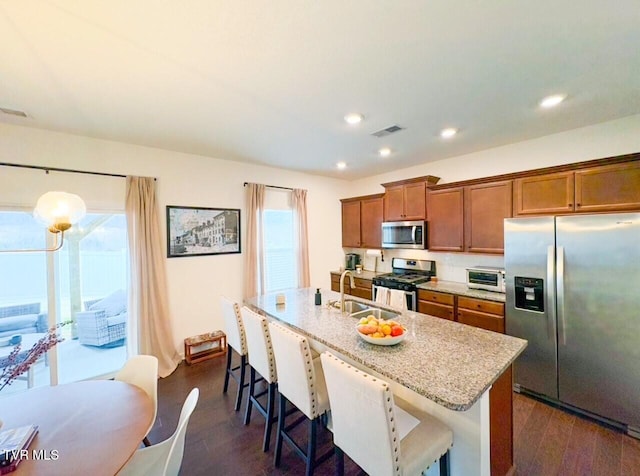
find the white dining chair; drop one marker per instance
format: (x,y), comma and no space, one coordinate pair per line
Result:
(142,371)
(301,383)
(165,458)
(263,367)
(237,342)
(381,433)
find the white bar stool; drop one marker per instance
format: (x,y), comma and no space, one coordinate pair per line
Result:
(300,382)
(382,434)
(262,362)
(237,342)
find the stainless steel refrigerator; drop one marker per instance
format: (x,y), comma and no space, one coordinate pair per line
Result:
(573,291)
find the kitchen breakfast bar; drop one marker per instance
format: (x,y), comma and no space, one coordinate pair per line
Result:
(442,367)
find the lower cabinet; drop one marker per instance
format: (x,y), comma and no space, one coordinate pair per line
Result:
(335,282)
(490,315)
(481,313)
(436,304)
(362,286)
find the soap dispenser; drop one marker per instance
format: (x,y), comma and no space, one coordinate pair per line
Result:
(318,297)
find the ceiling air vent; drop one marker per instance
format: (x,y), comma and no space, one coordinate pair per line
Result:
(13,112)
(388,130)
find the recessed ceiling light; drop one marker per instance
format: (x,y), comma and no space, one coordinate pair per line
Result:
(384,152)
(341,165)
(353,118)
(552,101)
(448,132)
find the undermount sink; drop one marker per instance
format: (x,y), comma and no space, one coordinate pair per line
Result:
(377,313)
(351,307)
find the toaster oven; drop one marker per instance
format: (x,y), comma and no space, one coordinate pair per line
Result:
(488,278)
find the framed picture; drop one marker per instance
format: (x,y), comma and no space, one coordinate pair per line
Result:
(193,231)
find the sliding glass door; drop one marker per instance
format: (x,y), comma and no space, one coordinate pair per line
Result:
(83,286)
(23,293)
(91,277)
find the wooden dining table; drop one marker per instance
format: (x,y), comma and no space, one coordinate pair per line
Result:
(90,427)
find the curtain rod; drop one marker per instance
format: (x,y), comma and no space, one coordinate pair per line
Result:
(56,169)
(272,186)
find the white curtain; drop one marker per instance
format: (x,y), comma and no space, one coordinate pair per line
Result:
(149,306)
(299,199)
(254,282)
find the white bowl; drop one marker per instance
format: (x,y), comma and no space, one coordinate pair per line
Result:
(382,340)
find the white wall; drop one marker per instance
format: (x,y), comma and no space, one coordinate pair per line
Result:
(195,283)
(608,139)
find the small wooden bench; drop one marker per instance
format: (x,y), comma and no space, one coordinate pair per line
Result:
(205,346)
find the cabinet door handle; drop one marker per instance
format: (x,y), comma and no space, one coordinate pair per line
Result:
(570,205)
(577,204)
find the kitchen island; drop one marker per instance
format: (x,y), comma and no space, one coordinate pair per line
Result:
(443,367)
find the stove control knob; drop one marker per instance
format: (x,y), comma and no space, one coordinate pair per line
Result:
(407,287)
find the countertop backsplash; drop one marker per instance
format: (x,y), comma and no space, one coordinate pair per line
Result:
(449,266)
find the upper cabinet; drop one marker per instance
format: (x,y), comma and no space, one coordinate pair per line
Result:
(371,222)
(406,199)
(604,188)
(351,223)
(486,205)
(446,219)
(608,188)
(362,222)
(544,194)
(469,218)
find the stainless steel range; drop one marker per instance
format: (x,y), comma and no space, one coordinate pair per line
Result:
(406,275)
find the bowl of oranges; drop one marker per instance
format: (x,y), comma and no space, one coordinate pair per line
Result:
(380,331)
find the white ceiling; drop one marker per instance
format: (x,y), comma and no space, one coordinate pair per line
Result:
(270,82)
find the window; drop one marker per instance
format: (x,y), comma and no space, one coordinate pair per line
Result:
(279,250)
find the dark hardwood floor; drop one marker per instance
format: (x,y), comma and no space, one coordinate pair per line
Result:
(550,441)
(547,441)
(217,441)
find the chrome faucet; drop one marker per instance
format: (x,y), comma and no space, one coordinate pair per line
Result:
(352,284)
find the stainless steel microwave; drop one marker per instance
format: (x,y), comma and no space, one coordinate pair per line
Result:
(487,278)
(404,234)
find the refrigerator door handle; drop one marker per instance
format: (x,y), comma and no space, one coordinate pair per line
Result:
(551,289)
(562,336)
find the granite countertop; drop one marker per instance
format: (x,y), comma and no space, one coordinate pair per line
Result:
(461,289)
(446,362)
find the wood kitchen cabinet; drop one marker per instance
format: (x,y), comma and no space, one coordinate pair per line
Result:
(469,218)
(351,224)
(605,188)
(436,304)
(486,207)
(446,219)
(544,194)
(481,313)
(608,188)
(406,200)
(363,287)
(362,221)
(490,315)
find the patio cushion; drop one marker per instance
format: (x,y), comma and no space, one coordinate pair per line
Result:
(114,304)
(18,322)
(114,320)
